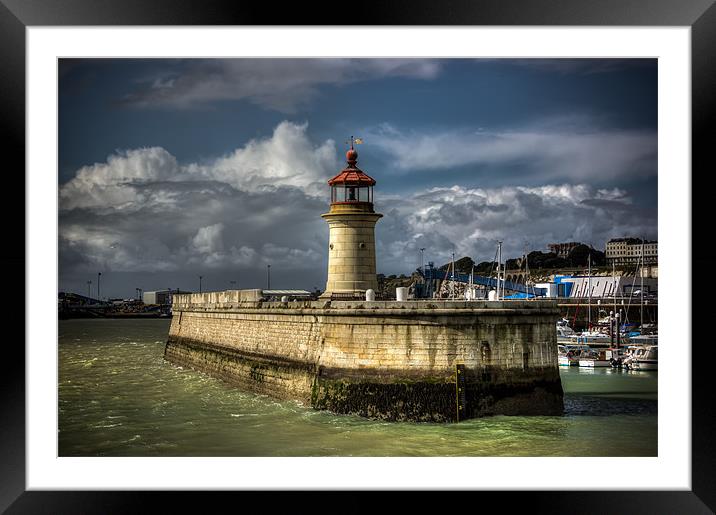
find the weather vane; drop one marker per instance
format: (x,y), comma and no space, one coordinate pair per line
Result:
(357,141)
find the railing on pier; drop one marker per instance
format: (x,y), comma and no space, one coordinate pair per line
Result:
(359,296)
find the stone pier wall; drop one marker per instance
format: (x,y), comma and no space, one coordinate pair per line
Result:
(392,360)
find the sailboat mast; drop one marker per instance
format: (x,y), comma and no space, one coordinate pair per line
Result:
(499,272)
(452,284)
(589,288)
(471,289)
(615,289)
(527,277)
(641,289)
(524,256)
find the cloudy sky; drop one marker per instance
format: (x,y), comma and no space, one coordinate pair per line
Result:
(171,169)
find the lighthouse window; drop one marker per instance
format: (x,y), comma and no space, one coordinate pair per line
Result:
(351,193)
(361,245)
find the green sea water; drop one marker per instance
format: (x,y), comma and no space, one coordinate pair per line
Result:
(118,397)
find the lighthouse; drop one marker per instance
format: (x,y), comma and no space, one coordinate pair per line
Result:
(351,221)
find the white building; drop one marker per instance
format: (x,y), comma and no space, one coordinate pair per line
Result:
(163,297)
(550,289)
(608,286)
(628,251)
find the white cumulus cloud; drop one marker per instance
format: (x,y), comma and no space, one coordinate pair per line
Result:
(209,239)
(286,159)
(470,221)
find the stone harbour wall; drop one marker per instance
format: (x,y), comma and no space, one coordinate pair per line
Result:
(390,360)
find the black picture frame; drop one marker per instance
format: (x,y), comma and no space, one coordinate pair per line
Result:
(16,15)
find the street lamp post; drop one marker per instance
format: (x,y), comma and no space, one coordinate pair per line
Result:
(99,297)
(200,277)
(268,277)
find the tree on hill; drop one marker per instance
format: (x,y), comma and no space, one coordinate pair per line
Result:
(485,268)
(462,265)
(537,259)
(578,256)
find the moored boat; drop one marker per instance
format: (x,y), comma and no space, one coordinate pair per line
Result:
(643,339)
(645,358)
(569,355)
(591,338)
(562,358)
(594,363)
(597,358)
(564,331)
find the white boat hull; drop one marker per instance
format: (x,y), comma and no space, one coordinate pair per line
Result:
(564,361)
(592,341)
(594,363)
(642,340)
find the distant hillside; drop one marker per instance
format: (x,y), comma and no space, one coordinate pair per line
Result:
(536,260)
(543,266)
(387,285)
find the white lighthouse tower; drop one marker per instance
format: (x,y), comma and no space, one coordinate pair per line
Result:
(351,219)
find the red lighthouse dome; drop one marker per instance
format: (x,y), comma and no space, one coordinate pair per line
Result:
(352,185)
(351,174)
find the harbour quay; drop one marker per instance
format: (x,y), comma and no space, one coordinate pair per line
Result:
(437,361)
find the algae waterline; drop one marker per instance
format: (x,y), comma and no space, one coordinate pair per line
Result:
(118,397)
(385,360)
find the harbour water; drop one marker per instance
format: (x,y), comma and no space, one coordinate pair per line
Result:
(118,397)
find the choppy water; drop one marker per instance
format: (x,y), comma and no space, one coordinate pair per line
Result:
(118,397)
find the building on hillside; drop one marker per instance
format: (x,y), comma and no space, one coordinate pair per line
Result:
(560,286)
(628,251)
(563,249)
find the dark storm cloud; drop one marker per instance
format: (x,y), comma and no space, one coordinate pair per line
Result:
(553,150)
(582,66)
(279,84)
